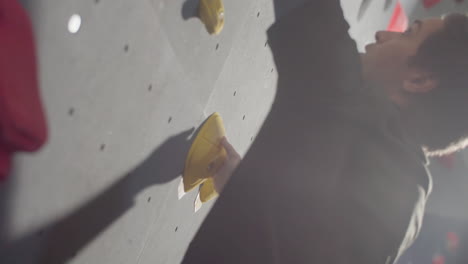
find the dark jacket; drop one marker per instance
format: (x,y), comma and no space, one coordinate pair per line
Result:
(332,176)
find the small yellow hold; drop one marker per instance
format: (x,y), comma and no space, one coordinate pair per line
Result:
(211,13)
(206,155)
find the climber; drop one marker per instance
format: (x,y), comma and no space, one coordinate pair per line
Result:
(337,173)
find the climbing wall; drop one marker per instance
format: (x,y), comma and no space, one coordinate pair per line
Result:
(124,83)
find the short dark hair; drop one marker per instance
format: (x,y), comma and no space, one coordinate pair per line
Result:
(439,118)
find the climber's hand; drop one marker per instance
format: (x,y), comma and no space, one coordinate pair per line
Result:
(227,169)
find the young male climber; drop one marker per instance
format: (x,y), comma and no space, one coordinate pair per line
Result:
(337,173)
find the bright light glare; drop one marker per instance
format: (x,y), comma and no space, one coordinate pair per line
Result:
(74,23)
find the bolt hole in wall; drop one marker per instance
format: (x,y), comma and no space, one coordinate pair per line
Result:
(243,118)
(177,228)
(150,87)
(102,147)
(169,120)
(126,47)
(258,14)
(71,111)
(217,46)
(74,23)
(235,93)
(149,199)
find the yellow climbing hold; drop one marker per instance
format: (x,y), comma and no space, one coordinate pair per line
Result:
(207,191)
(211,13)
(206,155)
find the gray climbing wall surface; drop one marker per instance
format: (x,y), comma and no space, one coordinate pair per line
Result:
(118,89)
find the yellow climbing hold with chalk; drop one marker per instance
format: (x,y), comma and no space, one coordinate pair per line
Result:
(211,13)
(205,157)
(208,191)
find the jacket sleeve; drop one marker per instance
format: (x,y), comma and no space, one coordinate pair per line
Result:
(312,48)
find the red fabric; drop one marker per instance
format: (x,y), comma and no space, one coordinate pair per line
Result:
(430,3)
(399,20)
(5,162)
(22,121)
